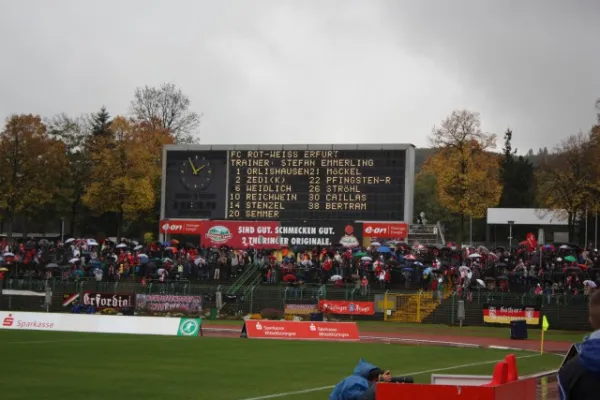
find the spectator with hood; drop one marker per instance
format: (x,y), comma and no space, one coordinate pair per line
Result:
(355,386)
(579,378)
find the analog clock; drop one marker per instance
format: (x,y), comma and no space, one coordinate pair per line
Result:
(196,173)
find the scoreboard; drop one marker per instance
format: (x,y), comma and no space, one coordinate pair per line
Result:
(330,182)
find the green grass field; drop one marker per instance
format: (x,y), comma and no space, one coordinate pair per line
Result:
(57,365)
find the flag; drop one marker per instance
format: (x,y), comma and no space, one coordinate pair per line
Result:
(545,324)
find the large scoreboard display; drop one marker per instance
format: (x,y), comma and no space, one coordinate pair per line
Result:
(331,182)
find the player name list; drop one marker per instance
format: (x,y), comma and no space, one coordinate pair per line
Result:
(265,184)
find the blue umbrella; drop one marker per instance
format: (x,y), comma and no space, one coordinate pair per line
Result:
(408,269)
(427,271)
(384,249)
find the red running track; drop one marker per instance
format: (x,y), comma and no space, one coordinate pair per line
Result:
(216,330)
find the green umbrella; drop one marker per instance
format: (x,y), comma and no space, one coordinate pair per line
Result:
(360,254)
(570,259)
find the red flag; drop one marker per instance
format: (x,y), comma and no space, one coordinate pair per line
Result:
(531,242)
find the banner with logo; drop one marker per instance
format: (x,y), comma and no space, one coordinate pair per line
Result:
(387,230)
(300,308)
(181,227)
(497,314)
(100,300)
(241,234)
(347,307)
(301,330)
(63,322)
(164,303)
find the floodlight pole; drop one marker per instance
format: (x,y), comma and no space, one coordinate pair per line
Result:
(585,245)
(596,230)
(510,238)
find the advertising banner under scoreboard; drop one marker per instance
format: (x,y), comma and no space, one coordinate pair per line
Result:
(498,314)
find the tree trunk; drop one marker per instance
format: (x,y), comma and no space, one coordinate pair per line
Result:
(460,236)
(120,223)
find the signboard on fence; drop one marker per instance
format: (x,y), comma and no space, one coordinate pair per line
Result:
(164,303)
(498,314)
(100,300)
(301,330)
(63,322)
(300,308)
(347,307)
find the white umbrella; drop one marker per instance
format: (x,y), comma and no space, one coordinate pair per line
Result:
(74,260)
(376,244)
(121,246)
(475,255)
(464,268)
(8,254)
(138,247)
(565,247)
(365,258)
(69,240)
(418,263)
(306,262)
(92,242)
(142,255)
(482,283)
(161,271)
(591,284)
(199,261)
(336,278)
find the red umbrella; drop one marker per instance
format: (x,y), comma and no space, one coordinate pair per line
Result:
(290,278)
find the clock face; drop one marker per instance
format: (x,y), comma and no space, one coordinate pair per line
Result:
(196,173)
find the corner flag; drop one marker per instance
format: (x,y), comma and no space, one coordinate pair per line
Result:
(545,326)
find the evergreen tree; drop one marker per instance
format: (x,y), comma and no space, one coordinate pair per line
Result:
(101,122)
(517,175)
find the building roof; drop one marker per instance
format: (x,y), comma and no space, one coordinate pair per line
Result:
(527,216)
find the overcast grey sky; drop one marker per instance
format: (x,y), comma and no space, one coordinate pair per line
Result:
(312,71)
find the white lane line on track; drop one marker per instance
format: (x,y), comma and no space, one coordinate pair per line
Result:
(319,389)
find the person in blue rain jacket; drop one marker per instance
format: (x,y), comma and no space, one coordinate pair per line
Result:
(579,378)
(356,385)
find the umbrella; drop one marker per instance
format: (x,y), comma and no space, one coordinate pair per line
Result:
(161,271)
(427,271)
(565,247)
(375,244)
(167,260)
(418,264)
(74,260)
(365,258)
(360,254)
(92,242)
(384,249)
(142,255)
(482,283)
(410,257)
(336,278)
(121,246)
(3,269)
(589,283)
(52,265)
(570,258)
(8,254)
(464,269)
(289,278)
(69,240)
(138,247)
(475,255)
(407,269)
(306,263)
(503,278)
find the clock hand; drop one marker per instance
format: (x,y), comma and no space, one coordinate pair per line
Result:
(194,170)
(201,168)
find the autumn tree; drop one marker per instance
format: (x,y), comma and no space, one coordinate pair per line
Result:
(565,180)
(166,108)
(125,168)
(75,133)
(32,163)
(467,174)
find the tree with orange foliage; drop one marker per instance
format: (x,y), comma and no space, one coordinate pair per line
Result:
(31,166)
(126,168)
(467,174)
